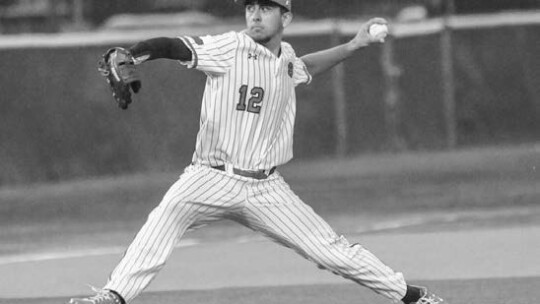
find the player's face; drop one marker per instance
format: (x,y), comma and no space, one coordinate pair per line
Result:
(265,21)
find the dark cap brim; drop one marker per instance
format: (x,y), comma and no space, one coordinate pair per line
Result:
(242,2)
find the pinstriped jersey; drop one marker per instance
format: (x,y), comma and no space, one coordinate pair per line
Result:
(249,102)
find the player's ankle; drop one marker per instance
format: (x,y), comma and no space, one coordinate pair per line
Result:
(117,295)
(413,294)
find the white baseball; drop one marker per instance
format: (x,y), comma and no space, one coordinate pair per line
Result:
(378,31)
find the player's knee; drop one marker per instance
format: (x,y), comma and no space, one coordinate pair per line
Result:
(336,255)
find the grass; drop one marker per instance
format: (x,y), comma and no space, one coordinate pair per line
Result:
(365,189)
(477,178)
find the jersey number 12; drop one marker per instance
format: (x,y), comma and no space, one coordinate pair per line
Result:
(253,104)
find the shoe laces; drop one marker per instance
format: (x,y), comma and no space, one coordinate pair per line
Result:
(102,296)
(429,298)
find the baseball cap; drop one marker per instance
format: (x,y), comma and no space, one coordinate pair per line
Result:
(285,3)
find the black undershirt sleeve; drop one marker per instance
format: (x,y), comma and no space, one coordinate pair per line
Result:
(162,47)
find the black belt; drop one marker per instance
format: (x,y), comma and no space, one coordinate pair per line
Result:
(259,174)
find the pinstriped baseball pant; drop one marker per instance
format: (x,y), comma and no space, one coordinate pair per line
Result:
(203,195)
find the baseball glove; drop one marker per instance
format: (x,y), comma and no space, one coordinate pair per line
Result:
(118,68)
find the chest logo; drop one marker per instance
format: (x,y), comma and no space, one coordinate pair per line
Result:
(290,70)
(253,56)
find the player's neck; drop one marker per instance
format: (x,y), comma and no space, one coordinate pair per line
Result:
(273,45)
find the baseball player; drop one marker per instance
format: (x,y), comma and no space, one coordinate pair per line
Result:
(246,132)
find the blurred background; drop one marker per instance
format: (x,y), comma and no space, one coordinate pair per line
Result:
(454,74)
(19,16)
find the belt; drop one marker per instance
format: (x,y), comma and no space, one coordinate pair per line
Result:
(259,174)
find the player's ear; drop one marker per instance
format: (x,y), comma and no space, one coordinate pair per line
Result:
(286,18)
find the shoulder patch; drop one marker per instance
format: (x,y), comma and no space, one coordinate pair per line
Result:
(290,69)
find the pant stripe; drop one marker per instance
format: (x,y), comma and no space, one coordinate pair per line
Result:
(297,222)
(165,229)
(304,240)
(306,237)
(281,226)
(142,235)
(376,268)
(145,234)
(134,265)
(201,209)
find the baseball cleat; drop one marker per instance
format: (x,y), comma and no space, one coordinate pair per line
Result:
(429,298)
(101,297)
